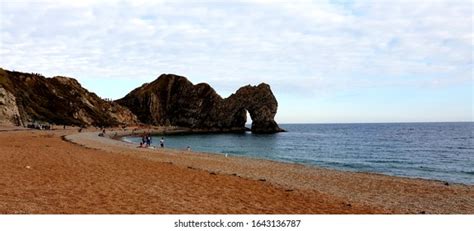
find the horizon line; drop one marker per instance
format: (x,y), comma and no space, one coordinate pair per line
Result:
(392,122)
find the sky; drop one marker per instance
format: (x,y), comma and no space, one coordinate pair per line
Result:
(334,61)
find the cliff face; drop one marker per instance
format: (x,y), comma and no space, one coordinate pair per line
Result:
(9,113)
(60,100)
(173,100)
(169,100)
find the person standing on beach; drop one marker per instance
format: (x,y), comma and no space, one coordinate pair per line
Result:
(148,140)
(144,139)
(162,142)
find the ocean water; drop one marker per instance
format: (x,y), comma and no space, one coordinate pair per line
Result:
(439,151)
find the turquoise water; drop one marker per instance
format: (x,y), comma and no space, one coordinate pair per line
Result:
(440,151)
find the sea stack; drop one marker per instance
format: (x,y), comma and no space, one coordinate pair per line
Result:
(172,100)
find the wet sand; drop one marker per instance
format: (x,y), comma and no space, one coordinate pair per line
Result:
(62,171)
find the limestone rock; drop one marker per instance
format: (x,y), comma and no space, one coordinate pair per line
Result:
(9,114)
(58,100)
(260,102)
(169,100)
(174,100)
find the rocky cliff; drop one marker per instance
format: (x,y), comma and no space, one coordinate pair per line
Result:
(169,100)
(173,100)
(59,100)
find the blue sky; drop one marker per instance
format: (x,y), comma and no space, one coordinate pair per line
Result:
(327,61)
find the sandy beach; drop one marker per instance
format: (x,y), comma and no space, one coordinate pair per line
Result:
(66,172)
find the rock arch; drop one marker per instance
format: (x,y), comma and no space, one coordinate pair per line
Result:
(174,100)
(260,103)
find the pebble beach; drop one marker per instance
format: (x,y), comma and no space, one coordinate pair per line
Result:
(66,172)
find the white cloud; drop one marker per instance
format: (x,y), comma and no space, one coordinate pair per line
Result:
(298,46)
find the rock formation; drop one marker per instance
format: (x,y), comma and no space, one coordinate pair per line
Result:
(59,100)
(173,100)
(261,104)
(9,113)
(169,100)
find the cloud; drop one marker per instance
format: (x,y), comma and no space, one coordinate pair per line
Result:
(302,46)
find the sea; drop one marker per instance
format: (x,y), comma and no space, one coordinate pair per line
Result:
(437,151)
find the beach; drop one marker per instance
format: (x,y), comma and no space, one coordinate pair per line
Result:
(66,172)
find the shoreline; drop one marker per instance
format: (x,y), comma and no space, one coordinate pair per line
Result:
(296,170)
(181,131)
(90,167)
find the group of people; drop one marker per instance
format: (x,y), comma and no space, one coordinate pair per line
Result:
(146,141)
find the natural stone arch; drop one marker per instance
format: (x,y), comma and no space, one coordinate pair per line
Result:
(260,103)
(177,101)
